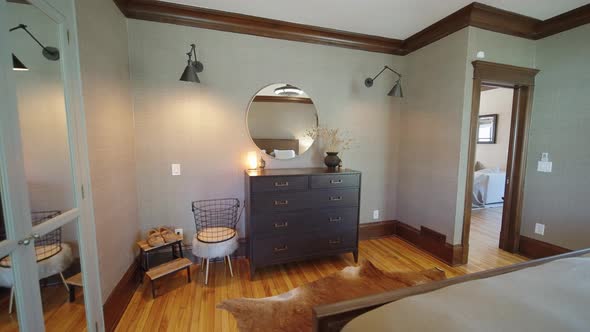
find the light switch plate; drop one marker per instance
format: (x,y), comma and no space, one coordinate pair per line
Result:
(376,214)
(175,169)
(539,229)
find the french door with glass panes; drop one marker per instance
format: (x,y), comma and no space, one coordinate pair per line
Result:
(48,262)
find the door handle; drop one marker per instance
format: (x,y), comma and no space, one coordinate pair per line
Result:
(26,241)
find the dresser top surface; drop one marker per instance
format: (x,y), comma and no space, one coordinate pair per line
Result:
(299,171)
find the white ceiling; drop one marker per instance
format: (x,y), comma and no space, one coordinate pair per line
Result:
(388,18)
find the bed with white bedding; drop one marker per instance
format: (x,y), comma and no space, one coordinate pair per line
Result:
(547,294)
(488,187)
(551,297)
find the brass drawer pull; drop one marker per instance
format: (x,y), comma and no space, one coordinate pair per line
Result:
(283,248)
(282,184)
(283,202)
(335,198)
(336,181)
(337,219)
(334,242)
(281,225)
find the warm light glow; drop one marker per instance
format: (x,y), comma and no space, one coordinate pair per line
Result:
(252,160)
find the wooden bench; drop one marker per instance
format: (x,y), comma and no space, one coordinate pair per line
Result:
(167,269)
(73,282)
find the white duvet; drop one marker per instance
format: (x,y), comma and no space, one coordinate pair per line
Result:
(548,298)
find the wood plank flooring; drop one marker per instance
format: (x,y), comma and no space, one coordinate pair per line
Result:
(191,307)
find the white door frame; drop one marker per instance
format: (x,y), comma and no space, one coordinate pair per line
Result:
(14,186)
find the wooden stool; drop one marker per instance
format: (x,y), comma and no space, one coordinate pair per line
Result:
(145,249)
(73,282)
(169,268)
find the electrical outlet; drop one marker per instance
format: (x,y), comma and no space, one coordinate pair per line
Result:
(178,231)
(175,169)
(539,229)
(375,214)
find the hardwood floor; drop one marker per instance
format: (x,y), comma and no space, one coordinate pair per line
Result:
(191,307)
(60,315)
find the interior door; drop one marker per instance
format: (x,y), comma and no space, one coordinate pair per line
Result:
(48,267)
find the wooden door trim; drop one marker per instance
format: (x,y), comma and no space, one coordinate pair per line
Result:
(522,80)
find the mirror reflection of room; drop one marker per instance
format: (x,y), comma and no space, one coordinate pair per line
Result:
(35,39)
(279,118)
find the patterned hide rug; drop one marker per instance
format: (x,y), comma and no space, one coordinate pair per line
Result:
(292,311)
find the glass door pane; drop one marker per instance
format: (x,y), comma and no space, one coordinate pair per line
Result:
(35,42)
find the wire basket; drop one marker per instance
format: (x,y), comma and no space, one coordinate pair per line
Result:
(216,219)
(47,245)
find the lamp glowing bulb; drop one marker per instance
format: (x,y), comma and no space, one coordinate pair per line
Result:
(252,160)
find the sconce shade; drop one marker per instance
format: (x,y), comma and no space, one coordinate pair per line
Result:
(17,65)
(396,91)
(190,74)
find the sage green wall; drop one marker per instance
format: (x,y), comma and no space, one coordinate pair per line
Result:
(431,120)
(435,124)
(560,125)
(203,126)
(102,34)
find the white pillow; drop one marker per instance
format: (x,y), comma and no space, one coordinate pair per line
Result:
(284,154)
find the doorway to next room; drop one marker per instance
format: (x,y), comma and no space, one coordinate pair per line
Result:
(491,156)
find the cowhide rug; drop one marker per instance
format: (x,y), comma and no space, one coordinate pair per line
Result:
(292,311)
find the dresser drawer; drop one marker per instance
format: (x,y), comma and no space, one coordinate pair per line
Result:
(329,198)
(270,249)
(266,203)
(278,224)
(279,183)
(328,220)
(335,181)
(333,242)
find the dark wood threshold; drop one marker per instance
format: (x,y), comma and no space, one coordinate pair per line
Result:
(475,15)
(533,248)
(120,297)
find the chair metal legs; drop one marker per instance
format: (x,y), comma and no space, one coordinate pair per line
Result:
(11,300)
(207,272)
(231,272)
(64,281)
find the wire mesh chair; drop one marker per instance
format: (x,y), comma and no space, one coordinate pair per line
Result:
(216,235)
(46,247)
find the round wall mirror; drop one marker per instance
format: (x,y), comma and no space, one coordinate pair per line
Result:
(279,118)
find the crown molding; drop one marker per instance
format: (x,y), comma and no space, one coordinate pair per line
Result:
(475,15)
(159,11)
(566,21)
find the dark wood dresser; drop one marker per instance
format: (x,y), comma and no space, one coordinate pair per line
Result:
(295,214)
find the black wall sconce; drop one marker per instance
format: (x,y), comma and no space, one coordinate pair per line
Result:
(49,52)
(396,91)
(192,67)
